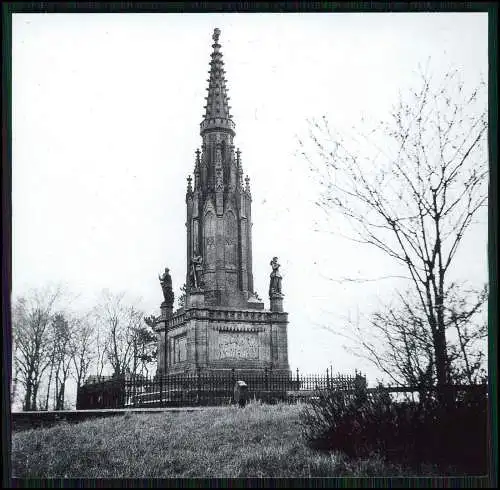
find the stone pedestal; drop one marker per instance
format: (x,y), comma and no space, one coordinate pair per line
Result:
(277,302)
(195,298)
(166,310)
(160,328)
(255,303)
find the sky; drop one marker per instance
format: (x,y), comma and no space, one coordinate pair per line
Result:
(106,114)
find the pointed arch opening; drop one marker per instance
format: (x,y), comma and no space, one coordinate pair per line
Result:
(230,239)
(209,238)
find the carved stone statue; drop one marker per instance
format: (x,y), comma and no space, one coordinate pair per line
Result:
(195,272)
(166,286)
(275,283)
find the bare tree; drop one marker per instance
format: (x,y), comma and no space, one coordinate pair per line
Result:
(52,363)
(100,345)
(31,318)
(120,322)
(82,348)
(396,338)
(15,376)
(63,333)
(412,187)
(469,331)
(144,348)
(60,334)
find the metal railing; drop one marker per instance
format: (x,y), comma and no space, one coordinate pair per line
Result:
(206,388)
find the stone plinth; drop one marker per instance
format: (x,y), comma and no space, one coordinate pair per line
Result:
(166,310)
(255,303)
(215,339)
(277,303)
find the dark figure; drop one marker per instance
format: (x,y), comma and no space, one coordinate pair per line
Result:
(241,393)
(195,273)
(275,283)
(166,286)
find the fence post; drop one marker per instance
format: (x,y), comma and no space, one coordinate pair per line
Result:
(198,385)
(233,382)
(131,381)
(160,376)
(120,399)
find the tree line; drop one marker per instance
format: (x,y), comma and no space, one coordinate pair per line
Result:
(53,345)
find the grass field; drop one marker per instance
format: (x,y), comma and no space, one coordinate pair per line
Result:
(256,441)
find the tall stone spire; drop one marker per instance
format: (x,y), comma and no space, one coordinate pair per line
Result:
(218,222)
(217,115)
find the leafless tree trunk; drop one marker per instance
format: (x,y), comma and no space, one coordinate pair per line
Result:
(61,333)
(31,317)
(412,187)
(49,382)
(100,351)
(120,321)
(81,348)
(398,341)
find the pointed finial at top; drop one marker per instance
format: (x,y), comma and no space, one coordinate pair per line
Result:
(217,116)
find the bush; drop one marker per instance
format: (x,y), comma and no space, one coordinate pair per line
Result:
(362,424)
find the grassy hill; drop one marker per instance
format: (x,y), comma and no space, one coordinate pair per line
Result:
(256,441)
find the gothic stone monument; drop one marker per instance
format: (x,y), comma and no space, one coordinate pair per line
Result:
(224,324)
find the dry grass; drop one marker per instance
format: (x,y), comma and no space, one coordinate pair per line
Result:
(257,441)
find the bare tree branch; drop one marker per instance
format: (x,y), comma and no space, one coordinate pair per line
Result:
(411,186)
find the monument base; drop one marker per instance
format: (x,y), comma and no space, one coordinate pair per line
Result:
(209,339)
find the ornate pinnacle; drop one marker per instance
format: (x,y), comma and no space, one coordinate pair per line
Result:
(217,114)
(240,168)
(189,180)
(197,170)
(197,161)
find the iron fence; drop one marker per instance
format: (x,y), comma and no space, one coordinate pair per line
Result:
(452,392)
(200,388)
(135,391)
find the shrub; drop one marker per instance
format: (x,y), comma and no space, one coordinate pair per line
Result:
(363,423)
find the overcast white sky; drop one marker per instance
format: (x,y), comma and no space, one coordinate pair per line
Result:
(106,113)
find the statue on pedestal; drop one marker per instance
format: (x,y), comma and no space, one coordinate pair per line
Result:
(275,283)
(195,272)
(166,286)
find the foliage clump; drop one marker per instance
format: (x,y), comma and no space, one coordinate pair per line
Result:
(371,423)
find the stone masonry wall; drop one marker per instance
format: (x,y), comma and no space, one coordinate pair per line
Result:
(220,338)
